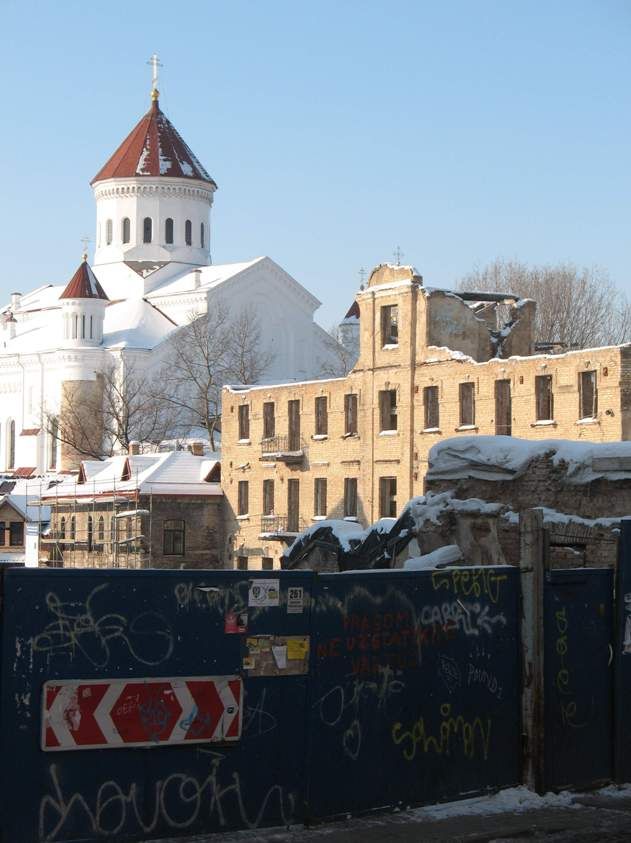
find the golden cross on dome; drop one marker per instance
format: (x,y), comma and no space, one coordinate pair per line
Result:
(85,240)
(155,64)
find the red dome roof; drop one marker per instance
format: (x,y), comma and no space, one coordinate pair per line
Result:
(84,285)
(154,147)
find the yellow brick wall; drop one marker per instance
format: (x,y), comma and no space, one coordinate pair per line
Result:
(372,454)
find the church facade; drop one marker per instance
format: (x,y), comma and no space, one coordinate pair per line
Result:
(152,272)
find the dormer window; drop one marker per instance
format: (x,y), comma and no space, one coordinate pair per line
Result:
(201,236)
(168,231)
(109,232)
(188,233)
(126,230)
(147,230)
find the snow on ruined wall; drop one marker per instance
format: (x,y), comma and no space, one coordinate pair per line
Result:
(505,458)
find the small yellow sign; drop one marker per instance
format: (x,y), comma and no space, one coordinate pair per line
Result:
(297,648)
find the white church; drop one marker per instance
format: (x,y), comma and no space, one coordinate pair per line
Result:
(152,269)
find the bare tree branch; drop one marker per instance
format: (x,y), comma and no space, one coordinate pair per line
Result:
(576,308)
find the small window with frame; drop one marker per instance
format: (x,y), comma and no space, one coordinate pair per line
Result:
(173,537)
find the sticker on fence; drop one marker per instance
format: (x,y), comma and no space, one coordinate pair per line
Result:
(295,600)
(276,655)
(264,593)
(115,713)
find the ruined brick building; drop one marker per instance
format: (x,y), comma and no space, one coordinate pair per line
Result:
(432,364)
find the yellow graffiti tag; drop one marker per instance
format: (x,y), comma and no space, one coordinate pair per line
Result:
(455,732)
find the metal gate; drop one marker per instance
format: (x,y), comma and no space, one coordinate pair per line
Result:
(578,655)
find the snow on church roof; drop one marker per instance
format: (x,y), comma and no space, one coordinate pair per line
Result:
(154,147)
(84,284)
(134,323)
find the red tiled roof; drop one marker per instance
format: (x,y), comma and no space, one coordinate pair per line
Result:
(154,147)
(353,311)
(84,285)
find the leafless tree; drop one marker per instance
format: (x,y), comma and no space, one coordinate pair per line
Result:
(339,359)
(101,417)
(577,308)
(214,349)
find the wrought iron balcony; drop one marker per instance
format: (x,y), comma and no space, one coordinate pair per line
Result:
(287,449)
(281,527)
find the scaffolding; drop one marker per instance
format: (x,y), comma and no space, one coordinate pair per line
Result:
(103,528)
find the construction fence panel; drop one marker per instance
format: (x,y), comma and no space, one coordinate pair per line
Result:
(578,677)
(212,739)
(416,683)
(622,661)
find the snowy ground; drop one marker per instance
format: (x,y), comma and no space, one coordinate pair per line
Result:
(511,815)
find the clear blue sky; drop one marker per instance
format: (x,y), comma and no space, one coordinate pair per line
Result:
(335,130)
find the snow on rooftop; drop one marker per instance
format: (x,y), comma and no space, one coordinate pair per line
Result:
(170,472)
(209,277)
(134,323)
(505,457)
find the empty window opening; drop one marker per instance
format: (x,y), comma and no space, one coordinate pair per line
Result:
(319,496)
(350,414)
(503,408)
(244,421)
(321,416)
(188,232)
(390,325)
(350,497)
(202,236)
(168,231)
(431,408)
(388,409)
(466,394)
(126,230)
(269,420)
(243,502)
(387,497)
(147,230)
(268,497)
(588,395)
(543,398)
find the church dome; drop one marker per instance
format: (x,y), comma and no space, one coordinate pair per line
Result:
(153,148)
(84,285)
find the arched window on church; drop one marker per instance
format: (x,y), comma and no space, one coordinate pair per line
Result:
(188,232)
(168,230)
(75,326)
(83,327)
(109,232)
(147,230)
(126,230)
(52,442)
(11,444)
(91,326)
(201,235)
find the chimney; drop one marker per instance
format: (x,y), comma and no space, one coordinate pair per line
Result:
(134,448)
(197,449)
(15,299)
(197,279)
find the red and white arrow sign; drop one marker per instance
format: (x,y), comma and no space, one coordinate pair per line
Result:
(99,713)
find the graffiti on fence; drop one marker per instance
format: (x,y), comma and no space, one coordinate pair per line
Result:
(79,628)
(563,678)
(176,802)
(455,732)
(347,704)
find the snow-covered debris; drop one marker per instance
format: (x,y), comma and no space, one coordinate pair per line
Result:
(446,555)
(513,799)
(344,531)
(506,457)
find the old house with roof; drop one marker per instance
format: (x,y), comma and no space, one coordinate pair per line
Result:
(432,364)
(152,271)
(162,510)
